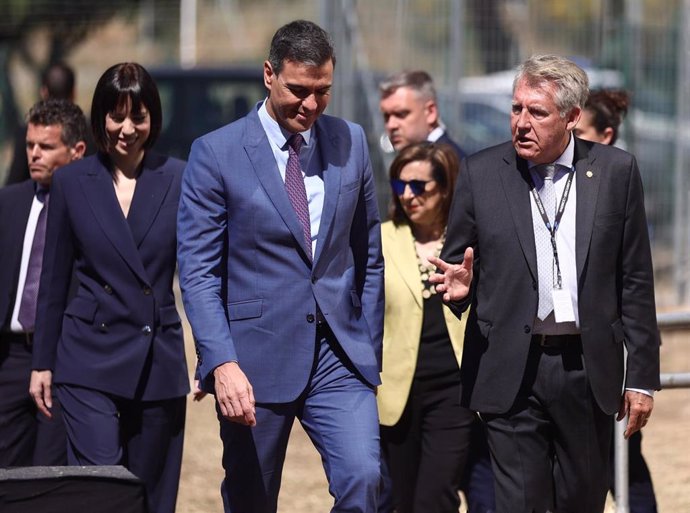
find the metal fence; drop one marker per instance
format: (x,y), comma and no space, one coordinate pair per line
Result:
(465,44)
(667,321)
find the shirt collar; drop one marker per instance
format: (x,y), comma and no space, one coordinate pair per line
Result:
(435,134)
(276,134)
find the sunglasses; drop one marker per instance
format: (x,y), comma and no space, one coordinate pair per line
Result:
(418,187)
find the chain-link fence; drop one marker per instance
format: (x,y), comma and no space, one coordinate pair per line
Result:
(470,47)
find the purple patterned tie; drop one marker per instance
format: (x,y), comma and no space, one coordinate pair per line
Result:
(27,307)
(294,184)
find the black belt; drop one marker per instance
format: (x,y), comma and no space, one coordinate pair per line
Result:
(557,341)
(18,338)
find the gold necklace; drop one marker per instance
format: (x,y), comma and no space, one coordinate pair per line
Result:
(426,270)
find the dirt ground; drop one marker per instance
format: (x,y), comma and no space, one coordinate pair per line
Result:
(666,447)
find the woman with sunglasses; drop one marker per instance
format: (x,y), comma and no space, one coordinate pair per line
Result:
(425,433)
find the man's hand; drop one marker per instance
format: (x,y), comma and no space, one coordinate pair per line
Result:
(234,394)
(455,281)
(197,393)
(638,407)
(40,390)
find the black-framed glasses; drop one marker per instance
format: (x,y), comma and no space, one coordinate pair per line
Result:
(418,187)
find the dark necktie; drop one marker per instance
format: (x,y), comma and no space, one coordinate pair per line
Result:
(294,183)
(542,238)
(27,307)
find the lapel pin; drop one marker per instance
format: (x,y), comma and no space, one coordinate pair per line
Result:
(589,173)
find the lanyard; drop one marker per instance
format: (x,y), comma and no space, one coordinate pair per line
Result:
(557,221)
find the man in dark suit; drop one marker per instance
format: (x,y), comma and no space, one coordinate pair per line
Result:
(55,136)
(548,241)
(281,274)
(410,111)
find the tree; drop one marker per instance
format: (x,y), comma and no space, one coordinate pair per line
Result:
(66,23)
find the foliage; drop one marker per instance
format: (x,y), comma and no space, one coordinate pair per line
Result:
(65,23)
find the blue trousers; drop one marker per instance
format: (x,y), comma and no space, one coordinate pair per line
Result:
(144,436)
(338,412)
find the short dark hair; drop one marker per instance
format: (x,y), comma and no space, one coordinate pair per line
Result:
(300,41)
(58,79)
(68,115)
(119,83)
(444,168)
(608,108)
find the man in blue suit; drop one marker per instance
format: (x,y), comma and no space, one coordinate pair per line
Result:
(282,280)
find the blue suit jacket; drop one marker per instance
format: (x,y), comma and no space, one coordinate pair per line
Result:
(121,332)
(249,288)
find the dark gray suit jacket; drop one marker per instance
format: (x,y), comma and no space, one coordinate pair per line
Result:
(491,212)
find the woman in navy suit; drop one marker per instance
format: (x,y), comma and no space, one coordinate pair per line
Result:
(115,350)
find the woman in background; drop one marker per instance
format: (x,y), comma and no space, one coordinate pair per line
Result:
(425,433)
(115,350)
(600,122)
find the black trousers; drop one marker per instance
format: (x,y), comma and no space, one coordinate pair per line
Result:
(550,451)
(427,450)
(26,437)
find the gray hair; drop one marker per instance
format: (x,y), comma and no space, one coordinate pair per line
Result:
(417,80)
(570,80)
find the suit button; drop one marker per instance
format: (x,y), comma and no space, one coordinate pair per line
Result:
(313,279)
(310,318)
(146,330)
(146,291)
(526,328)
(103,327)
(108,289)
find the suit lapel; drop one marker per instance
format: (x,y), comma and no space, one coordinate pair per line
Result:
(327,145)
(151,189)
(587,180)
(97,185)
(516,187)
(260,154)
(403,258)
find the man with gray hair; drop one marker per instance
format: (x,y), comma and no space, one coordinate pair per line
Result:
(547,240)
(410,111)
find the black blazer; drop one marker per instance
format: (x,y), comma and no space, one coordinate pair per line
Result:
(445,139)
(15,206)
(491,212)
(121,333)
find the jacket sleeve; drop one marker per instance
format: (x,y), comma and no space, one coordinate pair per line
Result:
(461,233)
(56,277)
(638,310)
(365,240)
(201,240)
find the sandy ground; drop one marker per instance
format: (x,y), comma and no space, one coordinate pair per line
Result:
(304,489)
